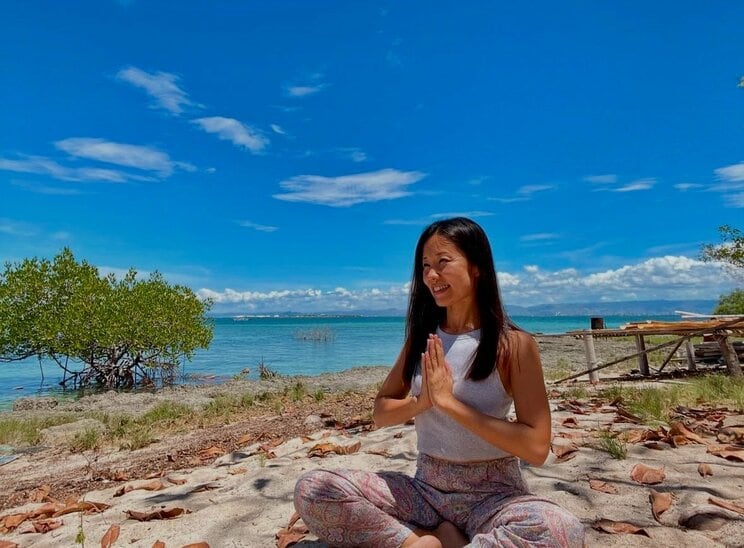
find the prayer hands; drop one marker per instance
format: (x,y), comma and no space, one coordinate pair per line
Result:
(436,380)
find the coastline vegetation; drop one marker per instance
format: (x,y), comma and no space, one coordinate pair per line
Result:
(125,332)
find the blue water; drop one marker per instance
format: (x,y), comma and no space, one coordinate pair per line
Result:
(243,344)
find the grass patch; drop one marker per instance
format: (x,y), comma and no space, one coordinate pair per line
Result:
(576,393)
(167,411)
(247,400)
(319,395)
(560,370)
(136,439)
(88,439)
(612,445)
(28,431)
(297,392)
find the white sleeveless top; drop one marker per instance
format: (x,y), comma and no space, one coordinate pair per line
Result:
(441,436)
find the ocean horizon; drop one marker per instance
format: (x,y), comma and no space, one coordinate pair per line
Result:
(286,344)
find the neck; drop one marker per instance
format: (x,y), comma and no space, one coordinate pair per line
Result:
(461,321)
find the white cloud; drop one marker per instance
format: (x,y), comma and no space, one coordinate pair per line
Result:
(16,228)
(732,173)
(162,86)
(683,187)
(539,237)
(640,184)
(607,179)
(259,227)
(735,200)
(348,190)
(122,154)
(41,165)
(305,90)
(43,189)
(354,154)
(669,277)
(236,132)
(276,128)
(529,190)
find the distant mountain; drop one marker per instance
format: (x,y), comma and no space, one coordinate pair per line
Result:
(617,308)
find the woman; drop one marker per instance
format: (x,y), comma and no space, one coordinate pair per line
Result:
(462,365)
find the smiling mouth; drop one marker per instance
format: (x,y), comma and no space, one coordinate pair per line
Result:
(439,288)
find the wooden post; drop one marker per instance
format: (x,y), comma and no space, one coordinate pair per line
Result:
(729,354)
(591,358)
(643,358)
(691,366)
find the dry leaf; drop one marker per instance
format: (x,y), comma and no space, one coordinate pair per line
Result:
(655,445)
(379,452)
(155,485)
(292,533)
(48,509)
(623,415)
(40,494)
(564,451)
(12,521)
(85,506)
(705,469)
(154,475)
(677,428)
(196,545)
(647,475)
(120,475)
(322,449)
(660,503)
(165,513)
(41,526)
(729,452)
(110,537)
(245,439)
(7,544)
(236,471)
(211,453)
(570,422)
(731,434)
(603,487)
(618,527)
(176,481)
(158,544)
(737,507)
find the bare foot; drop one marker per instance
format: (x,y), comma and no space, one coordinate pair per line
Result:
(446,535)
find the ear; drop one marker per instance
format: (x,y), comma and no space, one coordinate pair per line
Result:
(474,272)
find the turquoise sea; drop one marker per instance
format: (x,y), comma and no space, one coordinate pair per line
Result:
(240,344)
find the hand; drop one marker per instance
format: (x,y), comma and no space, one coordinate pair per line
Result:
(438,375)
(424,399)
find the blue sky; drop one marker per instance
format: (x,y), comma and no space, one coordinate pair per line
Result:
(286,155)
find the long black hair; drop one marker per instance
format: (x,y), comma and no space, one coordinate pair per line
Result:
(424,316)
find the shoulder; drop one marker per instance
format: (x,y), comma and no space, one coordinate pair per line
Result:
(520,350)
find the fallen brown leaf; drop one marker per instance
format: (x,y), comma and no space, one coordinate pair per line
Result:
(196,545)
(245,439)
(7,544)
(176,481)
(618,527)
(734,506)
(40,526)
(660,503)
(729,452)
(379,452)
(155,485)
(623,415)
(87,507)
(603,487)
(40,494)
(292,533)
(570,422)
(110,537)
(155,475)
(705,469)
(158,544)
(165,513)
(211,453)
(731,434)
(677,428)
(564,451)
(323,449)
(647,475)
(237,471)
(11,521)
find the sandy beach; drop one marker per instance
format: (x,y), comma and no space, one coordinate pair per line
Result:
(231,484)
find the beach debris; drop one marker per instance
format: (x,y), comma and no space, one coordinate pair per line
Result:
(570,422)
(660,503)
(201,544)
(618,527)
(734,506)
(176,481)
(292,533)
(603,487)
(87,507)
(705,469)
(323,449)
(379,452)
(40,494)
(647,475)
(110,536)
(623,415)
(563,451)
(7,544)
(211,453)
(40,526)
(163,513)
(678,429)
(731,434)
(158,544)
(237,471)
(728,452)
(155,485)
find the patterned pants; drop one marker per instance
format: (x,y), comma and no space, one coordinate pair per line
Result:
(488,501)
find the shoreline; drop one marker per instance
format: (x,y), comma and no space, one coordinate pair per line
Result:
(558,354)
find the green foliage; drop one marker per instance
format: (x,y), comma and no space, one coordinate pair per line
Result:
(731,251)
(88,439)
(27,431)
(732,303)
(122,331)
(612,445)
(298,391)
(319,395)
(265,373)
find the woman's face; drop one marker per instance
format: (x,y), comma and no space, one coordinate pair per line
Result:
(447,273)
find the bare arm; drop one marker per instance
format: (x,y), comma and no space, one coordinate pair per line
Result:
(393,404)
(529,437)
